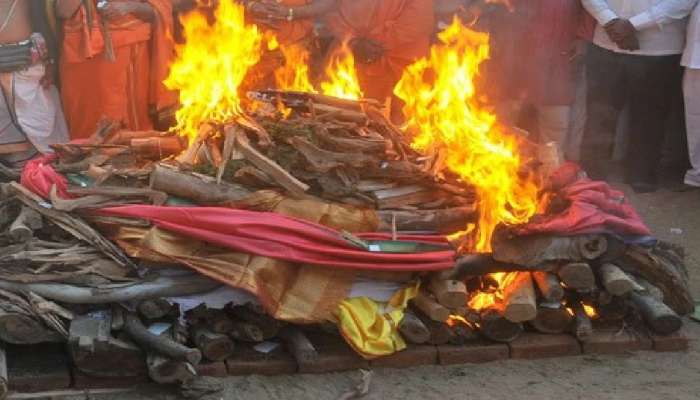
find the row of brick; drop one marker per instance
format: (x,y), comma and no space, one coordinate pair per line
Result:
(54,374)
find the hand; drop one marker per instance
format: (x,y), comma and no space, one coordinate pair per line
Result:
(114,11)
(270,11)
(623,33)
(366,51)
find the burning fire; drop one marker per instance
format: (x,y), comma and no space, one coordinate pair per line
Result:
(485,299)
(294,75)
(211,66)
(341,75)
(590,311)
(443,111)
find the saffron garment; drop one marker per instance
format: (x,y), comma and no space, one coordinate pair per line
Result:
(128,89)
(295,31)
(403,27)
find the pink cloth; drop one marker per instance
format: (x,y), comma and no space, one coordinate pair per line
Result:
(594,207)
(39,176)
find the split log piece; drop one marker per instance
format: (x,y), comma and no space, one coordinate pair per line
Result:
(413,329)
(483,264)
(299,345)
(552,318)
(442,221)
(166,371)
(660,317)
(577,276)
(154,308)
(20,328)
(583,327)
(434,310)
(449,293)
(246,332)
(520,302)
(534,250)
(158,148)
(189,186)
(549,286)
(494,326)
(616,281)
(268,325)
(214,346)
(160,344)
(440,332)
(28,220)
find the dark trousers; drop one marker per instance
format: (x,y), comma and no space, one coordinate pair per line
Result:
(647,85)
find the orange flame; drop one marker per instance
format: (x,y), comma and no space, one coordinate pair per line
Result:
(590,311)
(443,112)
(294,74)
(341,75)
(485,299)
(211,66)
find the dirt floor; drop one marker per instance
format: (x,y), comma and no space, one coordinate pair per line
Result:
(639,376)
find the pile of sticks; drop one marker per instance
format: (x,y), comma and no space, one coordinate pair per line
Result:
(552,285)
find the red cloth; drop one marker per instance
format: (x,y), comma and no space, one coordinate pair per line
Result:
(594,207)
(39,176)
(277,236)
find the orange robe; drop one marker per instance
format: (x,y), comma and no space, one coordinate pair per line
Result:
(289,32)
(128,89)
(403,27)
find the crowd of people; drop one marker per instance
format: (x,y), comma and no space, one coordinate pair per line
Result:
(579,73)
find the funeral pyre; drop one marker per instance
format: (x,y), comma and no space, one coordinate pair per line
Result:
(104,283)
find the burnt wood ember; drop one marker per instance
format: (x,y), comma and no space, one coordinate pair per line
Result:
(214,346)
(159,344)
(493,325)
(552,318)
(660,317)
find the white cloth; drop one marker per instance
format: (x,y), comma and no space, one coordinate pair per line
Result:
(660,24)
(691,54)
(37,109)
(691,94)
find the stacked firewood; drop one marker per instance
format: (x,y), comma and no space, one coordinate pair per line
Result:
(550,285)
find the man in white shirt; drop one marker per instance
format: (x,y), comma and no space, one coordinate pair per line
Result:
(634,61)
(691,94)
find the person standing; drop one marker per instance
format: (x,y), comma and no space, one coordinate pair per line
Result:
(31,118)
(691,95)
(115,56)
(634,60)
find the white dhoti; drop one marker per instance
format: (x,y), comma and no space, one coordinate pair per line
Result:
(691,94)
(31,117)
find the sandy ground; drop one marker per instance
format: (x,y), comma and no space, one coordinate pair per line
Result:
(639,376)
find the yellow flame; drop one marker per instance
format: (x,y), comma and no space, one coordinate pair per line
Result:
(211,65)
(341,75)
(294,74)
(442,111)
(590,311)
(486,299)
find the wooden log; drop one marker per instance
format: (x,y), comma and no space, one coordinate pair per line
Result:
(3,373)
(219,322)
(552,318)
(246,332)
(413,329)
(660,317)
(268,325)
(323,161)
(616,281)
(158,148)
(434,310)
(534,250)
(461,334)
(154,308)
(483,264)
(440,333)
(577,276)
(159,344)
(166,371)
(442,221)
(214,346)
(549,286)
(449,293)
(299,345)
(583,327)
(280,175)
(192,187)
(160,287)
(494,326)
(339,114)
(19,328)
(22,228)
(519,300)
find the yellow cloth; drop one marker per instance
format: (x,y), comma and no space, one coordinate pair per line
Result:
(371,328)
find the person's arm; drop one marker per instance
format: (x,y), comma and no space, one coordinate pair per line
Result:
(140,10)
(66,8)
(600,10)
(315,9)
(663,13)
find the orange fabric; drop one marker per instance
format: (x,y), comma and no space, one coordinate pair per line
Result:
(126,89)
(294,31)
(403,27)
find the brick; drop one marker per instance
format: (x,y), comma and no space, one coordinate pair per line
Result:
(247,361)
(412,356)
(83,381)
(216,369)
(536,345)
(674,342)
(472,352)
(334,355)
(37,368)
(616,342)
